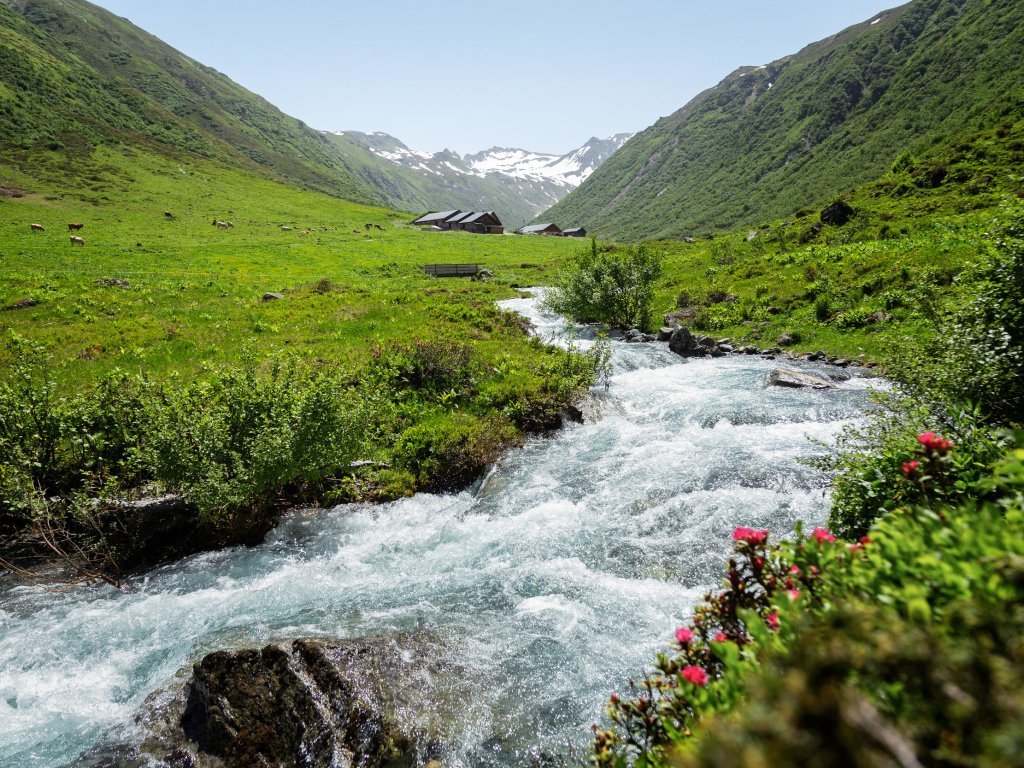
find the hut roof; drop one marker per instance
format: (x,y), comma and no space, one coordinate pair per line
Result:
(533,228)
(435,217)
(478,215)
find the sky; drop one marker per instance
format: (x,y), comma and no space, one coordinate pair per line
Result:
(543,75)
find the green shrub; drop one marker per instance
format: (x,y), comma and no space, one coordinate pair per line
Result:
(868,462)
(448,452)
(615,287)
(977,356)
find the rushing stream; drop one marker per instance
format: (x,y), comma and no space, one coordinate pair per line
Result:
(546,587)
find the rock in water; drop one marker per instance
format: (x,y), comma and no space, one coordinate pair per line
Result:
(309,703)
(787,377)
(683,343)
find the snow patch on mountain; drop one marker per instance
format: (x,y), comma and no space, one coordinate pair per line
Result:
(565,172)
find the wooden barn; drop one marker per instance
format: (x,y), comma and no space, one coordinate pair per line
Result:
(483,223)
(436,219)
(574,232)
(551,230)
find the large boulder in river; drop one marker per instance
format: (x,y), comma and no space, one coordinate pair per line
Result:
(309,703)
(787,377)
(684,343)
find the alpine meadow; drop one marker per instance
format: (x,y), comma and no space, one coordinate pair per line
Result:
(291,475)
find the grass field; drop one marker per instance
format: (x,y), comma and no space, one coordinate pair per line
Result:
(195,290)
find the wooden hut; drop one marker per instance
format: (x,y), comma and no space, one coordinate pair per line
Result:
(436,219)
(551,230)
(483,223)
(574,232)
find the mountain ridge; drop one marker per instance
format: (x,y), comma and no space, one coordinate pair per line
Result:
(518,183)
(74,76)
(769,140)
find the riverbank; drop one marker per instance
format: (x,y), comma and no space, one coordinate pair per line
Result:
(547,585)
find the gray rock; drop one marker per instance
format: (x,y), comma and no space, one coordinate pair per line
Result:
(786,340)
(816,356)
(684,344)
(787,377)
(632,333)
(664,334)
(724,341)
(680,317)
(272,296)
(750,350)
(706,341)
(304,703)
(726,349)
(841,363)
(837,214)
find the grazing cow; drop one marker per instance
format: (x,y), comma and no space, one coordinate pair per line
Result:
(222,224)
(285,229)
(367,226)
(76,240)
(37,227)
(75,227)
(168,215)
(378,226)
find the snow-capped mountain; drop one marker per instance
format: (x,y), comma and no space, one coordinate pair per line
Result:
(522,183)
(569,170)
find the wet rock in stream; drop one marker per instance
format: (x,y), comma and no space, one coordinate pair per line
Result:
(309,703)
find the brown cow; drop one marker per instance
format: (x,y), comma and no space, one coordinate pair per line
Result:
(37,227)
(222,224)
(75,227)
(76,240)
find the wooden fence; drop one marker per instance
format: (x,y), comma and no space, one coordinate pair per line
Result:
(452,270)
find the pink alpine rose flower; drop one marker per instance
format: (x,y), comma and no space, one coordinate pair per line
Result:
(749,535)
(684,636)
(822,536)
(696,675)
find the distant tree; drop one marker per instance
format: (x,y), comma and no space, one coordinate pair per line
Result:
(608,285)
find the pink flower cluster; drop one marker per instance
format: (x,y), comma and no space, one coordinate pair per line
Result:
(822,536)
(910,468)
(684,636)
(937,443)
(694,674)
(749,536)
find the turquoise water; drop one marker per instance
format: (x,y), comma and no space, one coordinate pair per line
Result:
(544,588)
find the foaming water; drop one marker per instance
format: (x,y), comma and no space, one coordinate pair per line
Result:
(547,586)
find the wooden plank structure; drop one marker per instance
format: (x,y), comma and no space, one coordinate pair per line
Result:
(452,270)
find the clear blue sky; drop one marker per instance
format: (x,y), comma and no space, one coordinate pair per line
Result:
(542,75)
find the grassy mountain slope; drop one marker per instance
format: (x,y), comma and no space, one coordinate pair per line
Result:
(770,140)
(74,76)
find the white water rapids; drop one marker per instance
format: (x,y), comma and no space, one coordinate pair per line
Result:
(548,586)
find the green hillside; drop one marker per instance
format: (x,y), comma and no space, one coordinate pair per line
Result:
(74,77)
(768,141)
